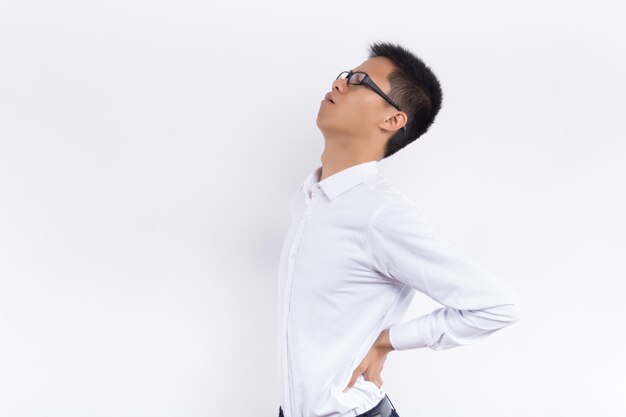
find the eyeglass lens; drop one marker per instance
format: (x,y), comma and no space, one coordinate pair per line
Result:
(355,78)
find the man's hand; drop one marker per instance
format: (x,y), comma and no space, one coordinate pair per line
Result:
(372,364)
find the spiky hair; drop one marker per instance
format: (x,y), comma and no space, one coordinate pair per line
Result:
(416,90)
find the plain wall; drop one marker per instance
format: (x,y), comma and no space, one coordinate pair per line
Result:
(148,150)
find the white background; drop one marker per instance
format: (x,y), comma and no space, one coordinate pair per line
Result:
(148,151)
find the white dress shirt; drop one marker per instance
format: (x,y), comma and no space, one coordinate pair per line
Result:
(354,254)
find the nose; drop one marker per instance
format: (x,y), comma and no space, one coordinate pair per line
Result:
(340,84)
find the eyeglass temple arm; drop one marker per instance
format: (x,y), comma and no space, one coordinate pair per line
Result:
(383,95)
(378,90)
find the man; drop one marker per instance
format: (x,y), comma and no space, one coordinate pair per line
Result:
(357,250)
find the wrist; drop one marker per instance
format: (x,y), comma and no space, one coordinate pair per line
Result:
(383,343)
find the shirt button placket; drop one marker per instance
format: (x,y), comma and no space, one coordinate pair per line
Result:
(292,256)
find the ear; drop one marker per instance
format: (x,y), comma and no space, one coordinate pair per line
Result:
(394,122)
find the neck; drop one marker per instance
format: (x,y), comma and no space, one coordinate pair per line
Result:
(339,155)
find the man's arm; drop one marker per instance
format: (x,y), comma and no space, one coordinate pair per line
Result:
(405,248)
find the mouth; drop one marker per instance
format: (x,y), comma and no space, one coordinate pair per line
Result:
(329,98)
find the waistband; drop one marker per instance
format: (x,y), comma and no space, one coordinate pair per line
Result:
(383,409)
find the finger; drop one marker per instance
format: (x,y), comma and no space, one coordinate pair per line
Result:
(352,381)
(374,378)
(355,375)
(376,381)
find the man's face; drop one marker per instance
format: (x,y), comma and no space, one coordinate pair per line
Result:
(357,110)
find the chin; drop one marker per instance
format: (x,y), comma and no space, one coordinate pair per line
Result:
(319,121)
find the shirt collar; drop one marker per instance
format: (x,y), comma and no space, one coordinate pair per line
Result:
(341,181)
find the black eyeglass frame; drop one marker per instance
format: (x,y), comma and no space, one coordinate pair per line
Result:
(371,84)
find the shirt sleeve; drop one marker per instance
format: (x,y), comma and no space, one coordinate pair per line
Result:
(406,249)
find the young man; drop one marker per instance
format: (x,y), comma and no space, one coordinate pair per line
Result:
(357,250)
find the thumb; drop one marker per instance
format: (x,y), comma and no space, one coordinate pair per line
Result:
(355,375)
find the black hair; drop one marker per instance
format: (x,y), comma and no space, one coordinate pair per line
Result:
(416,90)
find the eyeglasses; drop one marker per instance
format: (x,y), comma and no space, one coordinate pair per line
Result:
(360,77)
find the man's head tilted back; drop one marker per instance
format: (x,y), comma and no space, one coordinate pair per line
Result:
(361,120)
